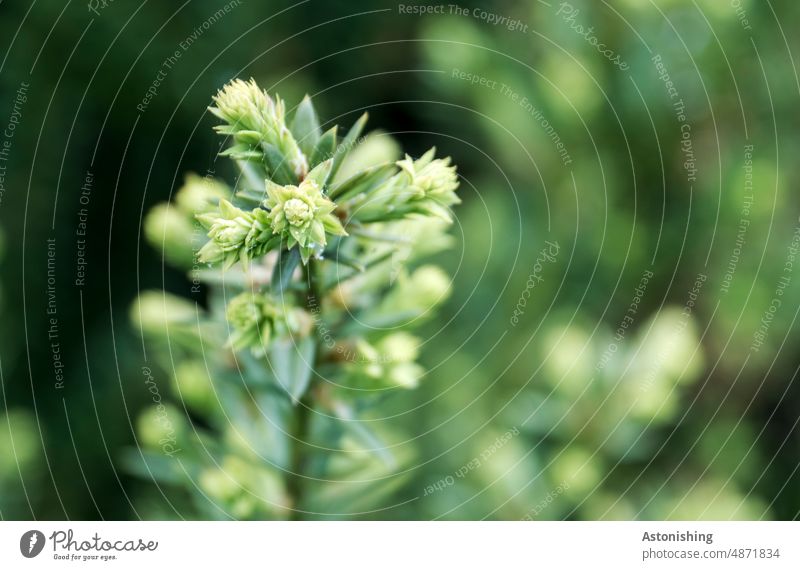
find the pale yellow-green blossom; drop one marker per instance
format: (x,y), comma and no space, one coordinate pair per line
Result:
(302,216)
(253,118)
(236,234)
(200,194)
(423,187)
(389,362)
(431,184)
(252,319)
(255,319)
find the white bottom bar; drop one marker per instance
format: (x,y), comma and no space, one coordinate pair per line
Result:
(400,545)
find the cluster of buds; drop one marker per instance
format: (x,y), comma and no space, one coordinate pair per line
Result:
(246,488)
(255,318)
(426,187)
(289,216)
(290,204)
(168,224)
(302,215)
(390,362)
(236,235)
(257,124)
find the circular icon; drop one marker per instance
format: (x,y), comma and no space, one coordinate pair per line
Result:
(31,543)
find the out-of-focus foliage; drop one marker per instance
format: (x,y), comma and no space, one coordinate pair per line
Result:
(534,418)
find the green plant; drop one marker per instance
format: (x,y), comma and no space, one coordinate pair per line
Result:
(311,262)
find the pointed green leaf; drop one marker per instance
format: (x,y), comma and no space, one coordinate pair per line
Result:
(372,490)
(253,175)
(388,238)
(359,429)
(279,168)
(366,266)
(284,269)
(242,152)
(250,197)
(321,173)
(325,147)
(345,260)
(305,126)
(348,142)
(292,362)
(363,181)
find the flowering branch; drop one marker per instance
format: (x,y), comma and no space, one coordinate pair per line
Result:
(319,241)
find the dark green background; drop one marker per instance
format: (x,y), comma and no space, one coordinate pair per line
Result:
(733,427)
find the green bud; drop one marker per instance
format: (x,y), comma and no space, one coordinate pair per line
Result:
(399,351)
(389,362)
(254,118)
(155,311)
(170,231)
(375,149)
(236,235)
(244,488)
(193,385)
(431,184)
(411,300)
(219,486)
(162,426)
(256,319)
(399,347)
(20,444)
(200,194)
(425,288)
(423,187)
(252,317)
(302,215)
(405,375)
(578,468)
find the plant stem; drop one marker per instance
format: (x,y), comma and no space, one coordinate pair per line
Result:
(299,436)
(305,407)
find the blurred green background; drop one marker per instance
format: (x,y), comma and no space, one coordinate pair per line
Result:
(686,409)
